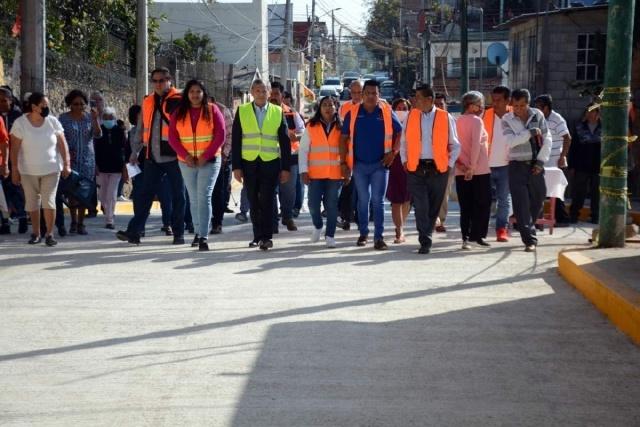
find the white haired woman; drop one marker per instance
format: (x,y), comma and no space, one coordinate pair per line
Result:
(473,182)
(110,156)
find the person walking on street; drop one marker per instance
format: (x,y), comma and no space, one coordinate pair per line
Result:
(110,155)
(320,169)
(222,188)
(584,162)
(80,129)
(37,145)
(261,157)
(160,159)
(295,126)
(473,181)
(196,134)
(560,144)
(398,189)
(369,143)
(440,101)
(529,142)
(499,157)
(429,148)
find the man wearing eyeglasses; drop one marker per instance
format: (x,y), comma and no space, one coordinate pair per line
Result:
(160,159)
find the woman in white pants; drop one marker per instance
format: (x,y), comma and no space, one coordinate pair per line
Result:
(110,156)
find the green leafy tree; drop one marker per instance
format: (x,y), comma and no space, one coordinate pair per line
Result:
(196,47)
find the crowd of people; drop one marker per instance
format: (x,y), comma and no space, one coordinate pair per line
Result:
(184,149)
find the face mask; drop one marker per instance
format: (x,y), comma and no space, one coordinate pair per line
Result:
(44,112)
(109,124)
(402,115)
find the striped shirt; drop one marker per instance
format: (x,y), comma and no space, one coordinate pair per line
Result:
(558,128)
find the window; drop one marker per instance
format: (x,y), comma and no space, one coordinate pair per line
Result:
(454,68)
(590,57)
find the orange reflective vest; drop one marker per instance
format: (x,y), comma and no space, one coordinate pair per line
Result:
(289,116)
(148,108)
(439,139)
(489,119)
(196,141)
(347,107)
(324,152)
(388,130)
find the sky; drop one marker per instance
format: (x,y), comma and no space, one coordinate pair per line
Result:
(352,12)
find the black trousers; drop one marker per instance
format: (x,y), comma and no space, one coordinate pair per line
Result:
(219,196)
(427,188)
(345,202)
(474,197)
(261,179)
(585,183)
(528,192)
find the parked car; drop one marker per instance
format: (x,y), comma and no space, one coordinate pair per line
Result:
(351,75)
(388,93)
(328,91)
(368,77)
(333,81)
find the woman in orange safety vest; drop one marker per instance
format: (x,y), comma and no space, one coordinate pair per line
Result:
(319,166)
(196,133)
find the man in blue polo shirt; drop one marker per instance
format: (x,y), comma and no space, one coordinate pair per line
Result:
(368,148)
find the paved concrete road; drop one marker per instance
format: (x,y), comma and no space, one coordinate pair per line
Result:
(95,332)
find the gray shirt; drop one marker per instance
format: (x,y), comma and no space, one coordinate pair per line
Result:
(156,132)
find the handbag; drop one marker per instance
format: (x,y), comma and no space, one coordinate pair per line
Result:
(78,188)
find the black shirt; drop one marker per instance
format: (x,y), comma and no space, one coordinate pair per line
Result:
(110,150)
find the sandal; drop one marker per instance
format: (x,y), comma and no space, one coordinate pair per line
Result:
(399,237)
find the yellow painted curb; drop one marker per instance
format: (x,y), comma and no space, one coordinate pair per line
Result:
(126,208)
(617,301)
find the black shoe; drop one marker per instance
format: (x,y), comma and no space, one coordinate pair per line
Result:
(380,245)
(482,242)
(50,241)
(82,230)
(296,213)
(217,229)
(253,243)
(266,244)
(202,244)
(5,228)
(346,226)
(142,234)
(362,241)
(195,241)
(291,225)
(167,230)
(424,250)
(189,228)
(227,210)
(110,227)
(122,235)
(92,214)
(323,213)
(73,228)
(242,217)
(62,231)
(35,239)
(178,240)
(23,226)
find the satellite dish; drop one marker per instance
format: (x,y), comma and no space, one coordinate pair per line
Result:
(497,54)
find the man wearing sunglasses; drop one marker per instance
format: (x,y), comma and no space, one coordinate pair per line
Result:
(160,159)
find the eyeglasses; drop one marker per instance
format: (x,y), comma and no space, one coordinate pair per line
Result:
(159,80)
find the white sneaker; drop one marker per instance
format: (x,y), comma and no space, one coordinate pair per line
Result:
(331,242)
(315,236)
(466,245)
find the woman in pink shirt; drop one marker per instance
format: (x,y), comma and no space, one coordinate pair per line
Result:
(473,175)
(196,133)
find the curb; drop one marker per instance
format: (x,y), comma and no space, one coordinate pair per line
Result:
(617,301)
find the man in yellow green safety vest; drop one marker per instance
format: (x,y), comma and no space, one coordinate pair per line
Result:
(261,157)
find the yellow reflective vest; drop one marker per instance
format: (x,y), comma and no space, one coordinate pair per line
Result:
(256,142)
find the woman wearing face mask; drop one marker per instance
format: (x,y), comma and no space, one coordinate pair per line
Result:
(319,166)
(196,134)
(473,174)
(110,155)
(398,191)
(80,128)
(38,153)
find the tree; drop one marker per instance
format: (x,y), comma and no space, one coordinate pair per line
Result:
(348,59)
(384,16)
(196,47)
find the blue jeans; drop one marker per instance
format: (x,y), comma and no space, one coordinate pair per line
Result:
(199,182)
(299,194)
(371,186)
(287,195)
(327,191)
(153,173)
(500,181)
(244,200)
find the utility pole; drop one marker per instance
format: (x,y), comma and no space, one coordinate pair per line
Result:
(406,47)
(33,68)
(426,47)
(464,49)
(142,53)
(312,43)
(481,54)
(615,122)
(339,43)
(333,40)
(287,47)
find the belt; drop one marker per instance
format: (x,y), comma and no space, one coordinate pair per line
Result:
(426,162)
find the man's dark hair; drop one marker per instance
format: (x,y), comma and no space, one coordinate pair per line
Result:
(426,91)
(440,95)
(277,85)
(546,100)
(519,94)
(502,90)
(164,70)
(371,83)
(134,111)
(286,94)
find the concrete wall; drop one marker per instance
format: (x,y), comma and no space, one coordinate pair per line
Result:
(238,30)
